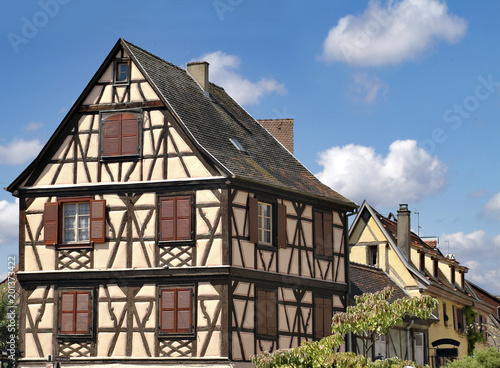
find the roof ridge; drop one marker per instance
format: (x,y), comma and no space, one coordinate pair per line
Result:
(370,267)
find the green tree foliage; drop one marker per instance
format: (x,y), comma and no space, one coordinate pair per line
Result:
(9,317)
(473,336)
(372,316)
(480,359)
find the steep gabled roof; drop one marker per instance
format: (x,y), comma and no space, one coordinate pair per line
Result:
(210,120)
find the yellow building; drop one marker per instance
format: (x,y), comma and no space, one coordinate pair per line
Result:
(419,268)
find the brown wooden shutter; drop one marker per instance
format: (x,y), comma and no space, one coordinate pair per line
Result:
(271,320)
(129,134)
(328,315)
(111,133)
(253,219)
(327,234)
(50,223)
(320,315)
(261,312)
(318,232)
(455,320)
(167,218)
(67,321)
(82,312)
(184,313)
(98,221)
(281,226)
(167,316)
(183,218)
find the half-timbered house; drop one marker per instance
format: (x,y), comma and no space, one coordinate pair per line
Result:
(161,223)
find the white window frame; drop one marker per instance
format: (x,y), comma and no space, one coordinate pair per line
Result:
(76,228)
(262,228)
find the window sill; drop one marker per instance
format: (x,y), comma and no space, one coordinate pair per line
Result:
(75,246)
(266,337)
(176,336)
(120,158)
(74,337)
(266,247)
(323,257)
(176,243)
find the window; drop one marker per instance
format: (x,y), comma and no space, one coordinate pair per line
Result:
(121,74)
(422,261)
(436,268)
(75,312)
(323,317)
(323,230)
(176,311)
(238,145)
(458,319)
(452,276)
(372,255)
(74,222)
(445,315)
(176,218)
(267,321)
(265,223)
(120,135)
(261,219)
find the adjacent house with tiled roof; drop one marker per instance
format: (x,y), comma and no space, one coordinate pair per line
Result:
(419,268)
(407,340)
(162,224)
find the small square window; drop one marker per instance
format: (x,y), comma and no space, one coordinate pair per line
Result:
(121,72)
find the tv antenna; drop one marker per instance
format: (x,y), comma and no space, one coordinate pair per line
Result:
(418,222)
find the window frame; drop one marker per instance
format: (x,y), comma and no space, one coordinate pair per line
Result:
(324,251)
(61,335)
(163,333)
(271,308)
(261,220)
(373,253)
(103,117)
(116,71)
(97,219)
(163,241)
(278,222)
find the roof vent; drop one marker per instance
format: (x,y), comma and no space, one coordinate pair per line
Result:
(238,145)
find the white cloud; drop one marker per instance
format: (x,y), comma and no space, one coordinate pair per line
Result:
(407,174)
(478,252)
(224,72)
(391,33)
(19,151)
(492,207)
(34,125)
(366,88)
(9,223)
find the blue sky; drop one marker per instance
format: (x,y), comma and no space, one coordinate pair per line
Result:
(394,102)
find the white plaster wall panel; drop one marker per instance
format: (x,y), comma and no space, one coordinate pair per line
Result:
(39,293)
(145,199)
(104,341)
(36,310)
(139,258)
(266,346)
(206,196)
(157,173)
(81,174)
(147,291)
(291,227)
(143,310)
(138,348)
(120,91)
(46,343)
(34,221)
(290,210)
(213,348)
(135,95)
(92,97)
(60,153)
(248,254)
(101,255)
(322,268)
(237,259)
(104,318)
(308,212)
(266,261)
(135,174)
(148,92)
(206,289)
(142,216)
(239,217)
(307,264)
(211,215)
(107,95)
(92,166)
(208,308)
(120,260)
(308,233)
(30,260)
(285,342)
(170,146)
(336,218)
(182,147)
(196,168)
(237,354)
(107,76)
(46,254)
(65,175)
(337,302)
(46,176)
(338,240)
(245,317)
(308,297)
(175,169)
(31,349)
(214,256)
(286,316)
(284,260)
(85,122)
(114,292)
(241,198)
(340,274)
(247,340)
(113,200)
(307,313)
(157,117)
(135,73)
(38,204)
(286,295)
(242,289)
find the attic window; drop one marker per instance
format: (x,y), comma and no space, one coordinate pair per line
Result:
(121,71)
(238,145)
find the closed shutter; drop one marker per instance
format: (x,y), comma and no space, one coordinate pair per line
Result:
(318,232)
(455,320)
(327,316)
(176,315)
(98,221)
(281,226)
(267,322)
(271,320)
(130,135)
(319,324)
(111,136)
(261,312)
(82,324)
(327,234)
(50,223)
(167,316)
(184,315)
(176,218)
(120,135)
(253,219)
(67,321)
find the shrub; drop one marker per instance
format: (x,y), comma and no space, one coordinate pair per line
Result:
(489,358)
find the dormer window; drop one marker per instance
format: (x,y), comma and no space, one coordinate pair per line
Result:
(121,74)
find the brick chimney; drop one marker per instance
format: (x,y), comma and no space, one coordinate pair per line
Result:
(199,71)
(403,236)
(281,129)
